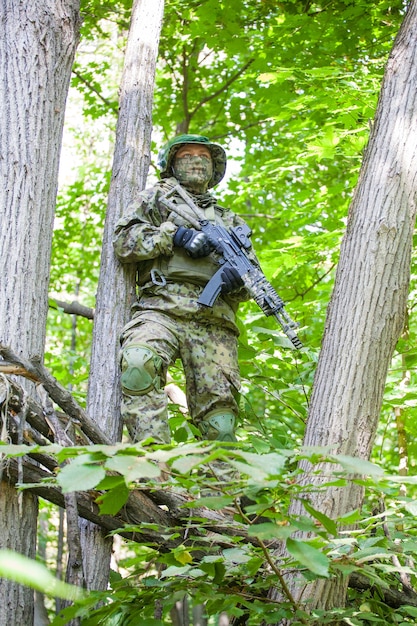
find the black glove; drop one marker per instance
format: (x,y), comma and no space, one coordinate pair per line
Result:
(193,241)
(231,280)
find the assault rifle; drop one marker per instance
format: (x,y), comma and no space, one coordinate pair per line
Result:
(233,246)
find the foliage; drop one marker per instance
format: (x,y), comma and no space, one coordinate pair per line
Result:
(28,572)
(290,89)
(232,565)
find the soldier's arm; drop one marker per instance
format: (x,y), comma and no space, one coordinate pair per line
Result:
(144,233)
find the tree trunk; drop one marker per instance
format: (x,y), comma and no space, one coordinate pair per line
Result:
(36,53)
(367,309)
(117,284)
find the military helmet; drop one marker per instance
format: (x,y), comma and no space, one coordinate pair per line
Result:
(167,153)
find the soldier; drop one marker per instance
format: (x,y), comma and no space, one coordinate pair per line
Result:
(175,262)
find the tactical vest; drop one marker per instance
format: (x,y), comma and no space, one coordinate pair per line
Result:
(180,267)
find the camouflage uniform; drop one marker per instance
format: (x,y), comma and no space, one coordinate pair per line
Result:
(168,323)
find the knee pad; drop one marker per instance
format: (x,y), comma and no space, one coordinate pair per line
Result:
(141,370)
(219,425)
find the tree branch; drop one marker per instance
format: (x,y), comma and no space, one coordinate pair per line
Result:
(144,511)
(12,395)
(112,105)
(58,393)
(73,308)
(391,597)
(222,88)
(150,512)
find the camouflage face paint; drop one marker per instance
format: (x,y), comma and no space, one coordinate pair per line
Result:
(193,167)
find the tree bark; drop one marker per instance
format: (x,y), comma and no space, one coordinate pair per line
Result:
(367,309)
(36,53)
(117,284)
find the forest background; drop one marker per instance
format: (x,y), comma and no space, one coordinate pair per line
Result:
(290,89)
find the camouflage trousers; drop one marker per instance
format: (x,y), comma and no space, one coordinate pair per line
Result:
(209,356)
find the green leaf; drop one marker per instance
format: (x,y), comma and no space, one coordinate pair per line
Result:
(357,466)
(19,568)
(111,482)
(14,450)
(411,507)
(182,555)
(406,480)
(187,462)
(133,467)
(309,557)
(351,517)
(236,555)
(271,463)
(215,503)
(113,500)
(371,554)
(219,573)
(173,570)
(80,477)
(328,523)
(270,531)
(409,610)
(257,475)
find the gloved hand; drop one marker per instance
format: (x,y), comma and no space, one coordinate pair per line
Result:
(231,280)
(193,241)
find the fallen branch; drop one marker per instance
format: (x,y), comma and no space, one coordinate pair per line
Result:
(166,529)
(159,517)
(36,372)
(13,396)
(61,396)
(15,370)
(391,597)
(72,308)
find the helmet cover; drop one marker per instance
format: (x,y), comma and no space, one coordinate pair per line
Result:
(168,151)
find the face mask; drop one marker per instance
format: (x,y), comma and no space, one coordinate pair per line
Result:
(193,171)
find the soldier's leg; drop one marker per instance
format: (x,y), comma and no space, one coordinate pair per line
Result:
(209,356)
(148,347)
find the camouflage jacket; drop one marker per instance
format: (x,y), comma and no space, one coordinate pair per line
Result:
(169,280)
